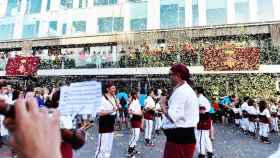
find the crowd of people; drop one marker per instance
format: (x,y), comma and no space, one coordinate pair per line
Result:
(257,118)
(183,113)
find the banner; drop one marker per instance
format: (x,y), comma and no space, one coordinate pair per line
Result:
(231,59)
(80,98)
(22,66)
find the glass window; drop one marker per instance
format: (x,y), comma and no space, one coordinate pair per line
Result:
(13,6)
(105,24)
(265,10)
(138,16)
(33,6)
(66,4)
(172,13)
(118,24)
(53,28)
(105,2)
(79,26)
(242,12)
(110,24)
(195,13)
(48,5)
(83,3)
(216,12)
(31,30)
(64,29)
(6,31)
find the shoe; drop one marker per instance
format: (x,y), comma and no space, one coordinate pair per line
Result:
(266,142)
(151,144)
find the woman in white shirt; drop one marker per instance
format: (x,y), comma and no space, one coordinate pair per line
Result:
(149,111)
(136,119)
(181,116)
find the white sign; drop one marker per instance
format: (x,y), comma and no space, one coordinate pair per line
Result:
(80,98)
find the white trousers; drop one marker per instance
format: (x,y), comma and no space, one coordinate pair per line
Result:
(274,124)
(245,124)
(264,129)
(203,142)
(148,129)
(252,126)
(158,123)
(105,143)
(134,137)
(237,121)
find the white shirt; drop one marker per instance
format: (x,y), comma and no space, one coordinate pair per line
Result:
(252,110)
(265,113)
(158,107)
(108,105)
(135,106)
(150,103)
(183,108)
(203,101)
(244,106)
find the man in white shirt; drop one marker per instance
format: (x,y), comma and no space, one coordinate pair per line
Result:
(107,115)
(181,116)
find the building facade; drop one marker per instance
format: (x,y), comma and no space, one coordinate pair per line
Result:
(32,19)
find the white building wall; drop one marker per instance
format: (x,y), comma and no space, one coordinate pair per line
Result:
(122,9)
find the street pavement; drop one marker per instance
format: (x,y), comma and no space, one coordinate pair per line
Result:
(229,142)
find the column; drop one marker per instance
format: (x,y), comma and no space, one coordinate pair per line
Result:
(202,12)
(188,12)
(153,21)
(253,10)
(276,8)
(3,7)
(76,3)
(55,5)
(44,7)
(126,8)
(230,12)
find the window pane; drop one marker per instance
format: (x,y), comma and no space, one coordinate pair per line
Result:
(105,24)
(242,13)
(195,13)
(138,16)
(216,12)
(53,28)
(118,24)
(64,29)
(12,7)
(66,4)
(172,13)
(83,3)
(33,6)
(48,5)
(6,31)
(105,2)
(265,10)
(79,26)
(138,24)
(30,30)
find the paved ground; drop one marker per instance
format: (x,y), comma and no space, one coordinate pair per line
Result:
(229,143)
